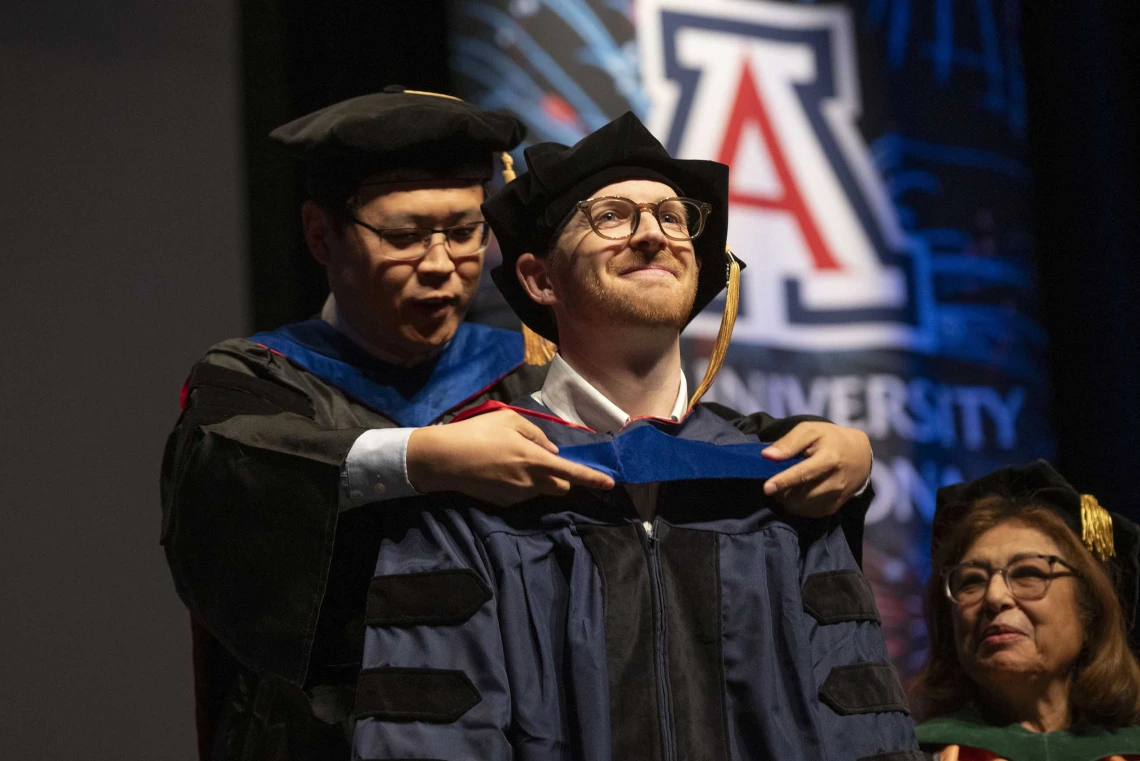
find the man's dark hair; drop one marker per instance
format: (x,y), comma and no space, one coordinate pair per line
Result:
(342,208)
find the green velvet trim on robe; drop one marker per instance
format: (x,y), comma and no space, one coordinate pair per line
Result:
(1015,743)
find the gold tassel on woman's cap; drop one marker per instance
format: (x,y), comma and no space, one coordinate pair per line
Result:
(1096,528)
(724,335)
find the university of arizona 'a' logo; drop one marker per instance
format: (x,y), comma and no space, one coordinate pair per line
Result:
(772,90)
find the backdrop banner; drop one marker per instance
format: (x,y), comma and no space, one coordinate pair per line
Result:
(879,197)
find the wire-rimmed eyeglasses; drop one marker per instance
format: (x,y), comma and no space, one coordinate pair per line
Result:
(617,218)
(409,243)
(1027,577)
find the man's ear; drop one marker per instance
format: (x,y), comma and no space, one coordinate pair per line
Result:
(320,229)
(534,275)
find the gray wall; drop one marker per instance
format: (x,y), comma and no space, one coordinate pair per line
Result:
(122,223)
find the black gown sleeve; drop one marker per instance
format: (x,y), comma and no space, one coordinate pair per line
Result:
(250,495)
(854,511)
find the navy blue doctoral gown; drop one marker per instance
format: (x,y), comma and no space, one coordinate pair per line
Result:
(565,629)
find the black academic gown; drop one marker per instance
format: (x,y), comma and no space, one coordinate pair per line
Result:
(273,570)
(275,574)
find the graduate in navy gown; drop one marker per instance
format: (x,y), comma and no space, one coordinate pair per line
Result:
(684,614)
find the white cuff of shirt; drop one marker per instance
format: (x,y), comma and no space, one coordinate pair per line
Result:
(376,467)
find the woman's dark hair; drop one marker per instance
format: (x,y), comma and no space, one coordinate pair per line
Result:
(1105,690)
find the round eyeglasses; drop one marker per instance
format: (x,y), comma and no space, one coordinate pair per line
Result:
(617,218)
(1027,577)
(410,243)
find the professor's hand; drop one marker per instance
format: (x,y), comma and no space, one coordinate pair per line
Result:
(498,457)
(837,465)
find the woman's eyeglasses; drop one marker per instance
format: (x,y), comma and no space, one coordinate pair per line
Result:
(1027,577)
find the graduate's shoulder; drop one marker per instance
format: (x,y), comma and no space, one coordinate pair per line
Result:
(761,424)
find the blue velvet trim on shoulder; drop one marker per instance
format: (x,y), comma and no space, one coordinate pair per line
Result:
(646,454)
(476,358)
(702,446)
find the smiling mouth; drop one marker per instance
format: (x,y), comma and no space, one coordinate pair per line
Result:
(649,272)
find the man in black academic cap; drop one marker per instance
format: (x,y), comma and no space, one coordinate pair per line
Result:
(287,436)
(684,614)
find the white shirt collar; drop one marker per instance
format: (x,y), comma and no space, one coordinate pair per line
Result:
(331,314)
(571,397)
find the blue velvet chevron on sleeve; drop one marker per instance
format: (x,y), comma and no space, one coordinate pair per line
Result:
(565,628)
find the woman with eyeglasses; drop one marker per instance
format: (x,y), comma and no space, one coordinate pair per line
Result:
(1029,657)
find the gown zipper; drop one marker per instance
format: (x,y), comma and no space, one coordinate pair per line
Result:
(665,712)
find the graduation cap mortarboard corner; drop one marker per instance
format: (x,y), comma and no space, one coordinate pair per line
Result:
(397,135)
(1111,537)
(527,213)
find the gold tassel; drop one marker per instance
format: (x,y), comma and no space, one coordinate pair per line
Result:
(536,349)
(1096,528)
(508,167)
(433,94)
(724,335)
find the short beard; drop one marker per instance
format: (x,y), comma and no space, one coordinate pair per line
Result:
(668,310)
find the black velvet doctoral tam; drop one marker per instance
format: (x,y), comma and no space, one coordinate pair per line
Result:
(527,213)
(397,136)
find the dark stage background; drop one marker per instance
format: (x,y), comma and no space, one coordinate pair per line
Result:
(124,256)
(149,217)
